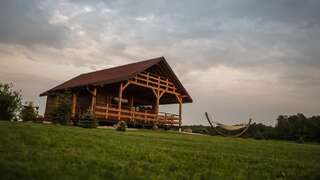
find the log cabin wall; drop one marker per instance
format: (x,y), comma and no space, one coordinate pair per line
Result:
(83,102)
(105,94)
(51,103)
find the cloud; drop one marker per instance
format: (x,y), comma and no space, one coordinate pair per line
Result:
(249,57)
(24,23)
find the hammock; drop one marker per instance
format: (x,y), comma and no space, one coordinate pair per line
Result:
(231,127)
(244,127)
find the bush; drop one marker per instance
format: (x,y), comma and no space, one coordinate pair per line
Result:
(258,135)
(29,112)
(300,140)
(154,127)
(61,114)
(87,120)
(10,102)
(121,126)
(188,130)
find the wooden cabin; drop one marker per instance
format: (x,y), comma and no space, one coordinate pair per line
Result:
(131,93)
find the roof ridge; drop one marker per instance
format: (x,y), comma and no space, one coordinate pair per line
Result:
(128,64)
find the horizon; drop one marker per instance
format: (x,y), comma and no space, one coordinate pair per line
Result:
(237,59)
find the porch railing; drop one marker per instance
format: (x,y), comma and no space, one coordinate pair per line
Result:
(130,115)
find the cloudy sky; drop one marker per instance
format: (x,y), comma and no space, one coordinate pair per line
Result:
(237,58)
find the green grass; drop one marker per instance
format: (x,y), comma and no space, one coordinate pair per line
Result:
(37,151)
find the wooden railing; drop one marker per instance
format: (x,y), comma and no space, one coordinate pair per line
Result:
(147,117)
(155,82)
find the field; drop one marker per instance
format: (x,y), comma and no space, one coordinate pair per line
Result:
(38,151)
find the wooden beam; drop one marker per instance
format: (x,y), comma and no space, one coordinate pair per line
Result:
(154,92)
(161,94)
(120,100)
(180,116)
(157,104)
(74,104)
(179,98)
(126,85)
(93,99)
(107,111)
(162,89)
(180,111)
(131,102)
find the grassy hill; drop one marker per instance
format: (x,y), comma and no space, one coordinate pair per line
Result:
(38,151)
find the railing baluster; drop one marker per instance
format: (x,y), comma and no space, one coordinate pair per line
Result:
(165,117)
(107,111)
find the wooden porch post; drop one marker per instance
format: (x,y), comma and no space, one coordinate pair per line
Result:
(158,95)
(74,104)
(180,114)
(180,111)
(131,103)
(120,100)
(93,99)
(157,103)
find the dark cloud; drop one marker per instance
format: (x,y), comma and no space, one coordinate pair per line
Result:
(23,22)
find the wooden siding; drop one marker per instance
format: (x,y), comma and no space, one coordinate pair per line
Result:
(52,101)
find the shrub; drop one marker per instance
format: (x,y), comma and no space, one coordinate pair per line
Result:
(10,102)
(154,127)
(188,130)
(121,126)
(29,112)
(87,120)
(167,128)
(258,135)
(300,140)
(61,114)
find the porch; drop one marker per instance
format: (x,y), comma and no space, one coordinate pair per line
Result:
(135,101)
(131,115)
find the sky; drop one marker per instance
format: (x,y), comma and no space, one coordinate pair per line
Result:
(236,58)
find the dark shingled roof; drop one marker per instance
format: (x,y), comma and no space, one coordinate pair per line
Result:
(118,74)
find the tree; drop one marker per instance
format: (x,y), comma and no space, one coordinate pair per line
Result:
(29,112)
(61,114)
(298,127)
(88,120)
(10,102)
(282,127)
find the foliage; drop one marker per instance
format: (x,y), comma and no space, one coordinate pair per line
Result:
(29,112)
(300,140)
(59,152)
(154,126)
(88,120)
(298,126)
(295,127)
(61,114)
(121,126)
(200,129)
(261,131)
(10,102)
(188,130)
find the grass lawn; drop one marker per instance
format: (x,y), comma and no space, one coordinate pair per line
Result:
(38,151)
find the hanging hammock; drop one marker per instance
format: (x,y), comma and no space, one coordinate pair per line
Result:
(229,128)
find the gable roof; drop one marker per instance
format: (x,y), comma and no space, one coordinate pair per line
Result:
(121,73)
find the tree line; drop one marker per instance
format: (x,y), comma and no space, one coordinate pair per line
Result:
(288,127)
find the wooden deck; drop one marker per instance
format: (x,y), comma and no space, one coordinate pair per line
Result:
(132,116)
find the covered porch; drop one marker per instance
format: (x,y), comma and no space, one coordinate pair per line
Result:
(136,101)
